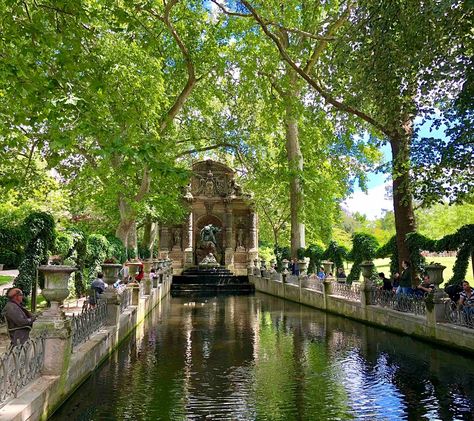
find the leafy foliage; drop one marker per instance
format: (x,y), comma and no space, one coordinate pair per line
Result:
(461,241)
(336,253)
(41,237)
(315,254)
(364,247)
(96,251)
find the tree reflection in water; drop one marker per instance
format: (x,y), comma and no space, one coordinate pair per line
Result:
(263,358)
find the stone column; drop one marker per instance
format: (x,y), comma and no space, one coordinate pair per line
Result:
(52,324)
(253,241)
(436,301)
(188,249)
(164,242)
(229,251)
(367,286)
(111,271)
(147,264)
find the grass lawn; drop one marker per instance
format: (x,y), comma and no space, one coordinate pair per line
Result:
(5,279)
(383,265)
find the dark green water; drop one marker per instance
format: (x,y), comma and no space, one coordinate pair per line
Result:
(261,358)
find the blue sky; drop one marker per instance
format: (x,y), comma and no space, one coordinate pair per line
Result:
(373,203)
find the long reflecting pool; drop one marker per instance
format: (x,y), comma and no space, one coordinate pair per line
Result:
(261,358)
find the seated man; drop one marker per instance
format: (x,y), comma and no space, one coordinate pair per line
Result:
(466,299)
(19,319)
(425,287)
(98,286)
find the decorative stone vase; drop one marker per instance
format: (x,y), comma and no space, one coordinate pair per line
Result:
(133,268)
(302,266)
(367,269)
(327,265)
(435,272)
(284,263)
(263,264)
(255,262)
(111,273)
(55,289)
(147,265)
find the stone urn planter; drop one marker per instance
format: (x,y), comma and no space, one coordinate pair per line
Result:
(302,267)
(111,273)
(284,264)
(55,289)
(147,265)
(435,272)
(367,269)
(327,265)
(133,268)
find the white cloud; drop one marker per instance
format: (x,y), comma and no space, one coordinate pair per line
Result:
(372,204)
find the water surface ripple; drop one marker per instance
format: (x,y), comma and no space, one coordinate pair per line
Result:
(261,358)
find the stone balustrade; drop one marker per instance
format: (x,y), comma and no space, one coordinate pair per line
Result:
(434,318)
(63,351)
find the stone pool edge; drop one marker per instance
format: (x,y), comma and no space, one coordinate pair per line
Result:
(449,335)
(43,396)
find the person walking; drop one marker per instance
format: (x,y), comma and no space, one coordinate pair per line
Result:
(19,319)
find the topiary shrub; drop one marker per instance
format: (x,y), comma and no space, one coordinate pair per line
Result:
(315,254)
(96,251)
(336,254)
(364,247)
(41,239)
(281,253)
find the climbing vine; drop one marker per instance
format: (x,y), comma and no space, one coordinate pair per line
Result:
(41,237)
(461,241)
(389,249)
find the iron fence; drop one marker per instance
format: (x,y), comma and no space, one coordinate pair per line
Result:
(400,302)
(125,299)
(19,366)
(463,316)
(351,292)
(91,319)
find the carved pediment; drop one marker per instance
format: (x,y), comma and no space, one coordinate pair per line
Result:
(213,179)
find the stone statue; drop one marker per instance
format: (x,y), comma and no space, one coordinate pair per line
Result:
(240,238)
(210,184)
(177,237)
(208,233)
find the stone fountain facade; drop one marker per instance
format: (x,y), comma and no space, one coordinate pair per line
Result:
(215,201)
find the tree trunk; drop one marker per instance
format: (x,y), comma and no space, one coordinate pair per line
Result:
(295,164)
(149,234)
(127,219)
(402,196)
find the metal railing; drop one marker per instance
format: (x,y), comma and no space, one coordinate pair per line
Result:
(91,319)
(351,292)
(125,299)
(19,366)
(463,316)
(400,302)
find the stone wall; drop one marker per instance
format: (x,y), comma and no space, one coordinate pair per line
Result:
(45,394)
(423,327)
